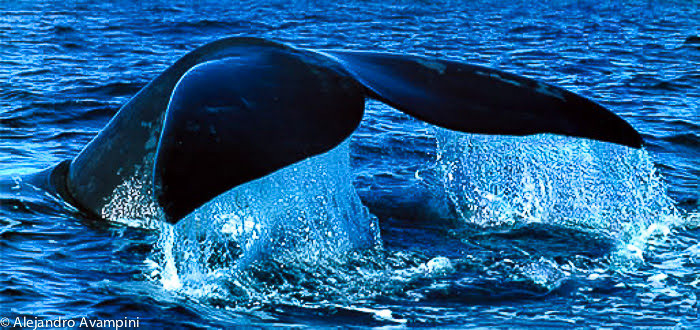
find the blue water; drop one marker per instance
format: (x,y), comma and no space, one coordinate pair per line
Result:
(404,224)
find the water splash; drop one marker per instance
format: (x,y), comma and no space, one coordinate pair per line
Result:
(132,202)
(290,238)
(306,213)
(606,189)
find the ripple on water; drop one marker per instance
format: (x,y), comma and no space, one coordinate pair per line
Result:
(560,233)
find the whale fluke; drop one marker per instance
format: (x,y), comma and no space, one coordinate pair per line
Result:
(475,99)
(237,109)
(234,120)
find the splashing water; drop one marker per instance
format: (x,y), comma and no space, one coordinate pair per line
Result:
(132,202)
(306,213)
(606,189)
(307,219)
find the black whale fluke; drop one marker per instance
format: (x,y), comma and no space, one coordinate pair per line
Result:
(241,108)
(477,99)
(234,120)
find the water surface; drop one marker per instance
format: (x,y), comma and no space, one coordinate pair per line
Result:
(404,223)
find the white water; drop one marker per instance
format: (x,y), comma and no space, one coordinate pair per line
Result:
(603,188)
(306,213)
(309,215)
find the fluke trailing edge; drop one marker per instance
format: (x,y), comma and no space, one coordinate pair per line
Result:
(237,109)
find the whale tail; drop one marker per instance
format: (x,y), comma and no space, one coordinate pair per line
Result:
(238,109)
(475,99)
(237,119)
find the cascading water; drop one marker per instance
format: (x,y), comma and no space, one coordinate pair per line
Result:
(304,213)
(308,218)
(602,188)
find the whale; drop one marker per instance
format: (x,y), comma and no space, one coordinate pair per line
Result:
(240,108)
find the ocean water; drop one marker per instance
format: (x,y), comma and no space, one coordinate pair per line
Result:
(402,225)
